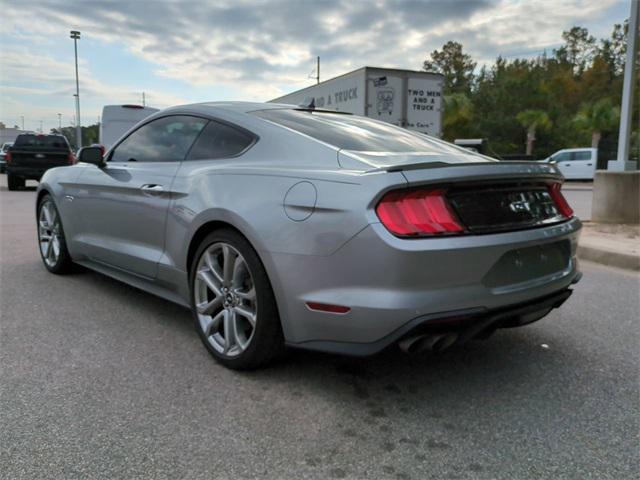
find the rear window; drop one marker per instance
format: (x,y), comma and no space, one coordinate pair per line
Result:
(350,132)
(582,156)
(218,140)
(41,141)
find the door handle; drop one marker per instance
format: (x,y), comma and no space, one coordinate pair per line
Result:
(151,189)
(589,164)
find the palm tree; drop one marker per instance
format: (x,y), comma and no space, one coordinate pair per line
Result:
(598,117)
(457,108)
(533,120)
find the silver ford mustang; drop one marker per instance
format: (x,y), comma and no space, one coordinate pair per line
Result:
(280,225)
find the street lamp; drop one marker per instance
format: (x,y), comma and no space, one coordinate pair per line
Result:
(76,36)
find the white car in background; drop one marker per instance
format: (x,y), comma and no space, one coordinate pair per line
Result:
(3,152)
(576,163)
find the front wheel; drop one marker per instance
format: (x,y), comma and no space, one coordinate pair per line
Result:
(51,241)
(232,301)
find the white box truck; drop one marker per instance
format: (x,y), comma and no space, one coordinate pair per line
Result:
(406,98)
(118,119)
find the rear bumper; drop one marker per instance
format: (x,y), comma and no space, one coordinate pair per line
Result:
(389,282)
(467,324)
(31,173)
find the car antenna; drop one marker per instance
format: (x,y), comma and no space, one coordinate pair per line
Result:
(308,103)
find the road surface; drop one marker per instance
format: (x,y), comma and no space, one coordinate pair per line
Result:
(99,380)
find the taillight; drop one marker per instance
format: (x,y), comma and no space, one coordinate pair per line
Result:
(561,202)
(71,158)
(7,157)
(418,213)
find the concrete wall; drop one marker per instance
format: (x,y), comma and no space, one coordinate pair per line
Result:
(616,197)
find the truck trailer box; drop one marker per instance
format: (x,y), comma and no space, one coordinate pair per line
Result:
(118,119)
(406,98)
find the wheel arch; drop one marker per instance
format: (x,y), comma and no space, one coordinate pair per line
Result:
(212,225)
(42,191)
(200,234)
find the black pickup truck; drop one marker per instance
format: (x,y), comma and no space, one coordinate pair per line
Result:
(31,155)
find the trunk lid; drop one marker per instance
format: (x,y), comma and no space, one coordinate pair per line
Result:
(39,158)
(490,197)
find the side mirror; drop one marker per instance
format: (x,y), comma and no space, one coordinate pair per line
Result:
(92,155)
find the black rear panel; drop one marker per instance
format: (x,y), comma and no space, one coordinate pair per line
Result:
(484,209)
(40,151)
(40,159)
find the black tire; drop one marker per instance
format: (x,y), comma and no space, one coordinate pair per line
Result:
(14,183)
(63,264)
(267,342)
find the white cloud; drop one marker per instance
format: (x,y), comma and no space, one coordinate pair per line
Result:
(261,49)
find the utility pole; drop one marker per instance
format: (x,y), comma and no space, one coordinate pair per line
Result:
(22,120)
(144,104)
(60,122)
(316,70)
(626,112)
(76,36)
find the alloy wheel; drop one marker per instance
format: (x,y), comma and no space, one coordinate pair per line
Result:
(225,299)
(49,233)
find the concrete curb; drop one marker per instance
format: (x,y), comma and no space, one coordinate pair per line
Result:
(607,257)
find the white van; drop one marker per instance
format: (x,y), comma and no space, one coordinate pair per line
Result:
(576,163)
(118,119)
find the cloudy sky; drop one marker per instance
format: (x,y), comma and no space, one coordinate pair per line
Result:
(191,50)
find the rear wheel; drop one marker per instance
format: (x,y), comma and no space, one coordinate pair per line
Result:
(233,305)
(14,183)
(51,241)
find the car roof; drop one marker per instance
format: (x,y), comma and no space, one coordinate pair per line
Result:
(41,135)
(241,107)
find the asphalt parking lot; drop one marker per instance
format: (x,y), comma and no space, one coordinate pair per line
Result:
(99,380)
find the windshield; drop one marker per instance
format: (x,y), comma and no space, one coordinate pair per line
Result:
(350,132)
(6,146)
(46,141)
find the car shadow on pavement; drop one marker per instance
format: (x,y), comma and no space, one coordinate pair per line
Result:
(509,354)
(510,365)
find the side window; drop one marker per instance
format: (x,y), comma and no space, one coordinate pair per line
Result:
(581,156)
(220,141)
(166,139)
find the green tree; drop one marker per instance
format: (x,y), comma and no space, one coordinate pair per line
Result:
(90,134)
(533,120)
(578,50)
(613,50)
(458,113)
(456,66)
(598,117)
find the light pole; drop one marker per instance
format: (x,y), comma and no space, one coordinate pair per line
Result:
(626,112)
(22,120)
(60,122)
(76,36)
